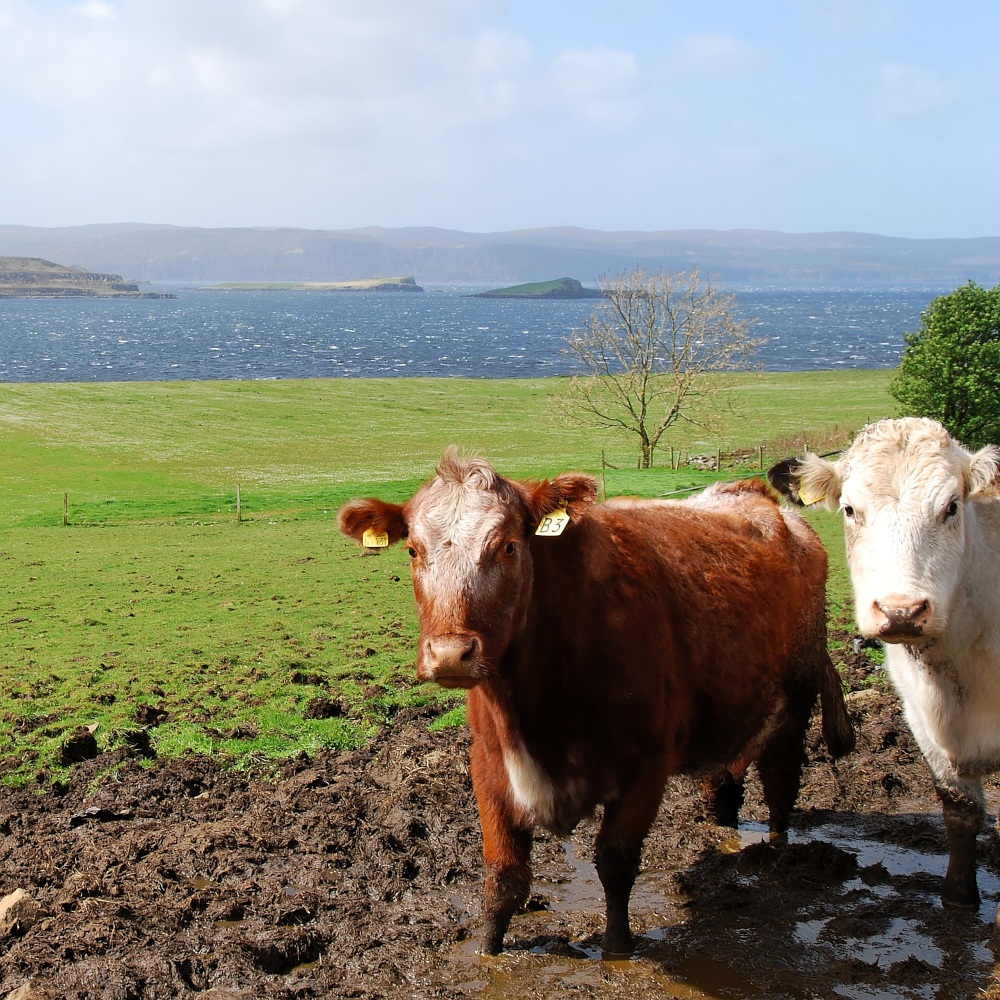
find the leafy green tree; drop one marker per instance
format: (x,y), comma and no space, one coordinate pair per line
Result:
(950,370)
(652,352)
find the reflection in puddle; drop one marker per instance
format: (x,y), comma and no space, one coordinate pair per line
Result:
(846,946)
(902,940)
(534,975)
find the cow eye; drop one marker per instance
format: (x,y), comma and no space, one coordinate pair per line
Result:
(412,552)
(509,548)
(951,510)
(848,512)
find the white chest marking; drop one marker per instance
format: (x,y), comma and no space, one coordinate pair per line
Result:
(530,788)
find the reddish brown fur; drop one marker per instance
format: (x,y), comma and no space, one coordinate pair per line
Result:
(650,638)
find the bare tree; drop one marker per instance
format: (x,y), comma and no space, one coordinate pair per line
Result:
(649,349)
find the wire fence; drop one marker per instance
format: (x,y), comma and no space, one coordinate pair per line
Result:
(84,507)
(237,503)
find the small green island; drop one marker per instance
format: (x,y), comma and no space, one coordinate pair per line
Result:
(36,278)
(561,288)
(361,285)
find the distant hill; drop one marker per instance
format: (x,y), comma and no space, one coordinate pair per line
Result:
(751,257)
(37,278)
(561,288)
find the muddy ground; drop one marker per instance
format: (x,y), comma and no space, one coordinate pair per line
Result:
(358,875)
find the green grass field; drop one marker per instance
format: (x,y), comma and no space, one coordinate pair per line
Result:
(272,635)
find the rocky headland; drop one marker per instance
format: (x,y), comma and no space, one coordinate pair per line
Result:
(36,278)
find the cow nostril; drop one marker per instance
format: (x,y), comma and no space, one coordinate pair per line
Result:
(903,617)
(450,653)
(901,612)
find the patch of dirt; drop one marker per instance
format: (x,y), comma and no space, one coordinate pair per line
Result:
(358,875)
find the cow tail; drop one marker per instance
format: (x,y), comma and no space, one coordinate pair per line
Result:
(838,730)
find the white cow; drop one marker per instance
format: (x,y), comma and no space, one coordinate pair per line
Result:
(922,528)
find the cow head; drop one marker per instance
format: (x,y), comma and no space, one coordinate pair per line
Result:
(906,490)
(467,532)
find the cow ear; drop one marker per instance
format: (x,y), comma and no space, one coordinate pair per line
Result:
(572,492)
(807,481)
(784,477)
(382,521)
(984,473)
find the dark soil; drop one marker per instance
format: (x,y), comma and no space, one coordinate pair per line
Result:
(358,875)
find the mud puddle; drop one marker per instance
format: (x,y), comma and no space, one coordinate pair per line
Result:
(878,917)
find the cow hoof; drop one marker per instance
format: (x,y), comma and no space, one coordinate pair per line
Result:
(960,900)
(960,905)
(491,943)
(617,947)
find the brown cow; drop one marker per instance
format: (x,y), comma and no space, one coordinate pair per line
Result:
(649,638)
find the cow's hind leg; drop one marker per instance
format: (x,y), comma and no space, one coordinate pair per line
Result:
(619,851)
(780,762)
(963,819)
(722,794)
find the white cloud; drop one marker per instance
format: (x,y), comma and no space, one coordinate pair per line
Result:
(97,9)
(599,84)
(855,17)
(266,100)
(714,55)
(203,75)
(902,90)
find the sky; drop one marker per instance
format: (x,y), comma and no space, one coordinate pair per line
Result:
(877,116)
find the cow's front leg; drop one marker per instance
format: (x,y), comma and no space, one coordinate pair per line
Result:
(619,852)
(506,849)
(963,819)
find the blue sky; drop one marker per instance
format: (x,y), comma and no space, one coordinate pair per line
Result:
(797,115)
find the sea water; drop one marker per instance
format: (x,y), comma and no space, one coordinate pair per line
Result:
(440,332)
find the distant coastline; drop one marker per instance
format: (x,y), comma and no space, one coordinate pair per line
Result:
(363,285)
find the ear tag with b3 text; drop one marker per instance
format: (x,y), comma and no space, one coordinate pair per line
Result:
(553,523)
(375,539)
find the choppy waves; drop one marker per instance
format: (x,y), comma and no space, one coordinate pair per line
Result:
(442,332)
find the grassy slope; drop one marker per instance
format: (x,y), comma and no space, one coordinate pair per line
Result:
(154,595)
(359,285)
(566,287)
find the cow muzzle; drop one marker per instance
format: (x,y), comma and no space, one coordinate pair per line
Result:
(902,620)
(450,660)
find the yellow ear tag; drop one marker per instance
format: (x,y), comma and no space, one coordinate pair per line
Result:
(810,498)
(553,524)
(375,539)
